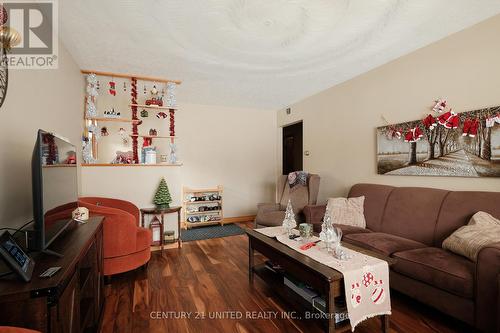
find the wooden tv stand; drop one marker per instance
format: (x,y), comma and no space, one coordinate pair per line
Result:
(72,300)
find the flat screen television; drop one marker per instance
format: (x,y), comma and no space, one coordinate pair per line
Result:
(55,189)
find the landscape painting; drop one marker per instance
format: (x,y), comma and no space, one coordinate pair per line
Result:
(463,144)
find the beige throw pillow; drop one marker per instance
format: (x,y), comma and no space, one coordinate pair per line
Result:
(482,230)
(348,211)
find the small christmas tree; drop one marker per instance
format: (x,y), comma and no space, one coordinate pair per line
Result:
(289,222)
(162,197)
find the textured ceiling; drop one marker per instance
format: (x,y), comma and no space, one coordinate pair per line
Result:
(256,53)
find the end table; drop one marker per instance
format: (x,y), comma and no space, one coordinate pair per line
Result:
(162,212)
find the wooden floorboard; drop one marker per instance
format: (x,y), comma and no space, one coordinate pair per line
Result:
(211,276)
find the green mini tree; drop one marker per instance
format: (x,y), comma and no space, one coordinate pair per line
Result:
(162,197)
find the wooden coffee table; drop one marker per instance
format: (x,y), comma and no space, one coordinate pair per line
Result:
(324,279)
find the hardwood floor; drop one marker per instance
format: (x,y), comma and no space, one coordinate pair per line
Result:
(211,277)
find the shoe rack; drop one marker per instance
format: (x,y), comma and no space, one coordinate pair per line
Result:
(202,206)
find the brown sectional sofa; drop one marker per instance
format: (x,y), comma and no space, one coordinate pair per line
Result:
(410,224)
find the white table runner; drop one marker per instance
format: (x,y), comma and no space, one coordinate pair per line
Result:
(366,278)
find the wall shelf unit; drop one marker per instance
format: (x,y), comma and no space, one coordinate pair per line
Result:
(132,165)
(133,99)
(196,201)
(156,107)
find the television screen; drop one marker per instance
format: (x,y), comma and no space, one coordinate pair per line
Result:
(55,186)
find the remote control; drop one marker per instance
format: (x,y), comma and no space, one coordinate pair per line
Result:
(50,272)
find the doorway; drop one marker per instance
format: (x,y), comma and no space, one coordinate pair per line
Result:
(292,148)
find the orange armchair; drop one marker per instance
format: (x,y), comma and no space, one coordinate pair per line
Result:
(8,329)
(126,245)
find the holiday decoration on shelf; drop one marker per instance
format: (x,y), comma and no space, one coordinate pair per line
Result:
(112,113)
(173,153)
(92,85)
(440,105)
(90,111)
(124,136)
(135,131)
(96,132)
(147,142)
(430,122)
(172,122)
(161,115)
(112,88)
(171,101)
(162,198)
(470,127)
(449,120)
(51,157)
(87,151)
(144,113)
(289,222)
(414,135)
(154,91)
(104,131)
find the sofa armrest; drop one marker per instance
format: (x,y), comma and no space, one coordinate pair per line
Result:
(267,207)
(314,214)
(114,203)
(487,284)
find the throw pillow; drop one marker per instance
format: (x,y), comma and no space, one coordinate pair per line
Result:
(482,230)
(347,211)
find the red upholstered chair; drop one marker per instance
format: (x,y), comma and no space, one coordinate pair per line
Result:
(126,245)
(8,329)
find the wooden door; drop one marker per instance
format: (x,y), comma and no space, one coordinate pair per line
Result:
(292,148)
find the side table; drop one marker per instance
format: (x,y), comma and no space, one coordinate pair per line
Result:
(162,212)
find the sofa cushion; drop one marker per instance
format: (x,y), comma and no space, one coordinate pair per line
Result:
(349,229)
(384,243)
(270,219)
(412,213)
(347,211)
(375,201)
(439,268)
(482,230)
(458,208)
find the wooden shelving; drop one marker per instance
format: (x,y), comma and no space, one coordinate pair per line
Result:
(132,165)
(129,76)
(205,212)
(193,212)
(201,202)
(134,106)
(154,136)
(117,120)
(156,107)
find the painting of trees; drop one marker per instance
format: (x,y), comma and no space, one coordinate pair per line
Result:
(450,144)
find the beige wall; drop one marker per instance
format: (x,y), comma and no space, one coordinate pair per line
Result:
(47,99)
(339,123)
(234,147)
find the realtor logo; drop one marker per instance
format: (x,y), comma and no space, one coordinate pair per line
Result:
(37,25)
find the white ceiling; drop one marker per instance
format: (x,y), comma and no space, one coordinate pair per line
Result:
(256,53)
